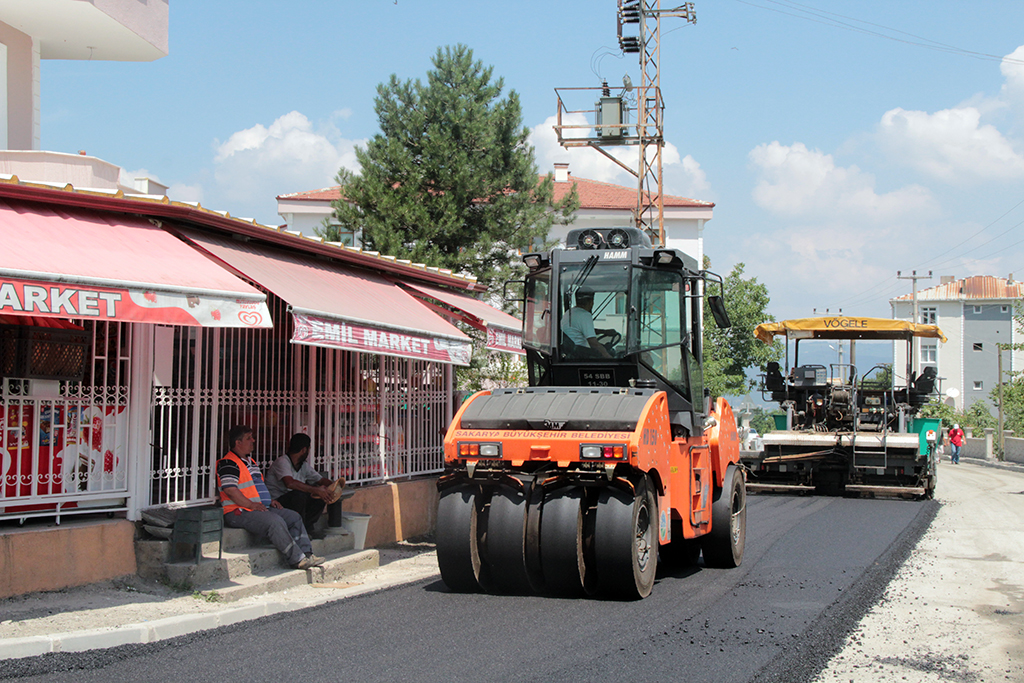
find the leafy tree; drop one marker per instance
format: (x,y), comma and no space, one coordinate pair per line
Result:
(450,180)
(978,415)
(1013,404)
(763,421)
(729,353)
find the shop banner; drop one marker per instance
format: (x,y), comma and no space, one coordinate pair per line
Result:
(343,335)
(501,339)
(62,300)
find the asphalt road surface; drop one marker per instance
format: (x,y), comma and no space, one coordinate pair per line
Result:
(811,569)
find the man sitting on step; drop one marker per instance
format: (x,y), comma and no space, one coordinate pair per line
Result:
(297,486)
(247,504)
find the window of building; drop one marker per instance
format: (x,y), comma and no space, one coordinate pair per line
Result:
(978,346)
(929,314)
(977,310)
(979,385)
(929,352)
(1004,309)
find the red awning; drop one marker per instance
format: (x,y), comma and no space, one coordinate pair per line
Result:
(75,263)
(339,307)
(504,332)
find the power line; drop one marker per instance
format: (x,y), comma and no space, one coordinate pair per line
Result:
(817,16)
(957,246)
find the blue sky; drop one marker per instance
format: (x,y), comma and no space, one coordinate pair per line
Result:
(837,147)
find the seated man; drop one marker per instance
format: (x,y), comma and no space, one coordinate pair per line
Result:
(578,326)
(297,486)
(247,504)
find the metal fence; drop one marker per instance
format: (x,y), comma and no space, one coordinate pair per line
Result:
(371,418)
(63,444)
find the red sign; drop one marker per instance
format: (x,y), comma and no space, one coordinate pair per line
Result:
(24,297)
(500,339)
(343,335)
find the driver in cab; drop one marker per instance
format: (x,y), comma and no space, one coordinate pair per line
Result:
(578,326)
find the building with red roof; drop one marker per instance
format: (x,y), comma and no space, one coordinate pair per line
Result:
(977,315)
(602,205)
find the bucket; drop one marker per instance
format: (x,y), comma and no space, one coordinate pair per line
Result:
(357,523)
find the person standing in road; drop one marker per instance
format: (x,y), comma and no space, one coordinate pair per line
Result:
(247,503)
(956,440)
(297,486)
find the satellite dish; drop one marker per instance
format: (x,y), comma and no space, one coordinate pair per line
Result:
(952,392)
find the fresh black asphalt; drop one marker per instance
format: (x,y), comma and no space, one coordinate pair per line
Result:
(811,569)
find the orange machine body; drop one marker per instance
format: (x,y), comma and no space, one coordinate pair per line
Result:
(684,470)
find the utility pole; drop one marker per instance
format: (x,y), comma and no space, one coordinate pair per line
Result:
(999,365)
(913,364)
(612,126)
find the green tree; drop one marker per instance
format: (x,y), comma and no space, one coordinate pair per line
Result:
(978,415)
(763,420)
(450,180)
(729,353)
(1013,390)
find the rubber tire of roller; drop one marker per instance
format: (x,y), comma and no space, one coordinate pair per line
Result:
(723,546)
(457,539)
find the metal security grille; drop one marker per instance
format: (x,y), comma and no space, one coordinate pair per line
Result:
(63,444)
(371,418)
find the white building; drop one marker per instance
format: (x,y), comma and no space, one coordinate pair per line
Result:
(976,315)
(32,30)
(602,205)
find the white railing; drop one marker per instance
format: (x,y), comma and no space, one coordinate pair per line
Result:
(63,445)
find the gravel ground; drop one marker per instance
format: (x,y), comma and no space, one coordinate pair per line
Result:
(955,610)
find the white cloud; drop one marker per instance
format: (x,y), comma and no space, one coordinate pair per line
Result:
(682,176)
(951,145)
(1013,72)
(795,181)
(256,164)
(833,233)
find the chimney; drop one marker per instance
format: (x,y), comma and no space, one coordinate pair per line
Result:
(150,186)
(561,172)
(946,279)
(1009,280)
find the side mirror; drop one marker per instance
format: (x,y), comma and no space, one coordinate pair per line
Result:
(504,290)
(717,305)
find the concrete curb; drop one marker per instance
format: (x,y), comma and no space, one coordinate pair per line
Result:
(998,464)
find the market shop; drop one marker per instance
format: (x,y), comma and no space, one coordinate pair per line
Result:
(135,331)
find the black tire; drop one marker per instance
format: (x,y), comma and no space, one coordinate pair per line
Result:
(458,537)
(723,546)
(681,552)
(561,543)
(626,542)
(506,541)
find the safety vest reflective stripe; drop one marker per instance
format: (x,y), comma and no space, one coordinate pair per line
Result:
(245,484)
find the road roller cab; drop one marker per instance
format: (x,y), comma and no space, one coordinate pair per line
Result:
(571,485)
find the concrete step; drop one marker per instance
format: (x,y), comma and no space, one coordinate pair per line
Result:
(336,569)
(241,556)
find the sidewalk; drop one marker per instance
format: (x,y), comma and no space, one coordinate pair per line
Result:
(137,611)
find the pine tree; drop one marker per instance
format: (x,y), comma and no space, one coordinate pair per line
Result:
(450,180)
